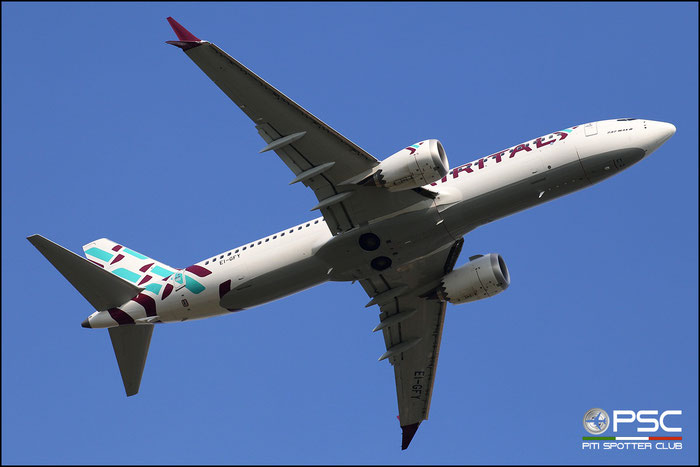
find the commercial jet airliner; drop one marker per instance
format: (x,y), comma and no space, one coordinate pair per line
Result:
(396,226)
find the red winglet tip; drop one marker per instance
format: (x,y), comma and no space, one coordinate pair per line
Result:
(182,33)
(407,433)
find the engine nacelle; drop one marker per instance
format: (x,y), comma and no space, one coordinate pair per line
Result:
(482,277)
(415,166)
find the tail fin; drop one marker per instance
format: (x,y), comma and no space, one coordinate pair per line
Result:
(131,349)
(124,262)
(102,289)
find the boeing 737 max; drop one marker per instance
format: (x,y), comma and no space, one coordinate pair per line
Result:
(395,225)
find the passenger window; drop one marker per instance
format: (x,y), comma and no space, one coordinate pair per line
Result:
(316,222)
(299,228)
(252,245)
(236,251)
(291,231)
(259,242)
(282,234)
(274,237)
(206,263)
(244,248)
(221,257)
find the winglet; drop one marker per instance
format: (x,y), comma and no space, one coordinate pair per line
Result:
(182,33)
(407,433)
(187,39)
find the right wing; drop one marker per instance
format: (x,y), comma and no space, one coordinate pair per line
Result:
(320,157)
(412,326)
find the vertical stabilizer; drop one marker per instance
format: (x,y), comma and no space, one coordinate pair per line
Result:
(124,262)
(131,348)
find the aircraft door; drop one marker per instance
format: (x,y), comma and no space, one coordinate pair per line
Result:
(590,129)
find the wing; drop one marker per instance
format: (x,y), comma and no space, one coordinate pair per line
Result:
(320,157)
(412,326)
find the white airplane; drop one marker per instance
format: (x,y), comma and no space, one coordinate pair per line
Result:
(395,225)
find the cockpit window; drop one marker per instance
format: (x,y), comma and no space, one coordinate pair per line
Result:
(625,119)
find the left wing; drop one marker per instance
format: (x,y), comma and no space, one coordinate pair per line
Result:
(320,157)
(412,325)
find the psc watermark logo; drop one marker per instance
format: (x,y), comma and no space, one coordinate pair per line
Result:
(597,421)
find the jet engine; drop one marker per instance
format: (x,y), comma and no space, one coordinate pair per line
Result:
(413,167)
(483,277)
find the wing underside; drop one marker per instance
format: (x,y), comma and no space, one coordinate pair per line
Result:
(319,156)
(412,323)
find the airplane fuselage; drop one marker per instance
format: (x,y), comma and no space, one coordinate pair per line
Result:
(469,196)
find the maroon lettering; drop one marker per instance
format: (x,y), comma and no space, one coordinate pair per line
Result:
(497,156)
(480,163)
(520,147)
(443,180)
(540,143)
(563,134)
(464,168)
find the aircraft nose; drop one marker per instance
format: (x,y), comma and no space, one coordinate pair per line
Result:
(659,133)
(666,130)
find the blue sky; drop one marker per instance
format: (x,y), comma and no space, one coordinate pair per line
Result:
(106,132)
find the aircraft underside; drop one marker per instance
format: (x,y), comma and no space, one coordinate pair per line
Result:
(396,226)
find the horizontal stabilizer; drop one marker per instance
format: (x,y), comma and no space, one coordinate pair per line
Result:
(101,288)
(131,344)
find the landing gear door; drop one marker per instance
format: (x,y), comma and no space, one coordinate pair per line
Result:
(590,129)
